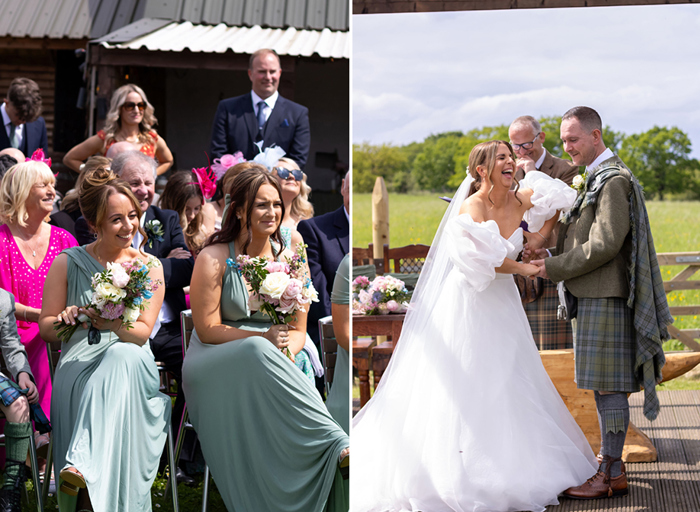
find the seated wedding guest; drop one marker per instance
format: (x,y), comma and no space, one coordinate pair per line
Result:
(70,206)
(183,194)
(338,401)
(110,420)
(167,243)
(281,449)
(130,119)
(328,240)
(295,194)
(18,391)
(28,247)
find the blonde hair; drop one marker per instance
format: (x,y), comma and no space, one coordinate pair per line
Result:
(484,155)
(16,185)
(301,207)
(114,122)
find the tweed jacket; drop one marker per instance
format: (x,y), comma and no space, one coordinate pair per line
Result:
(594,250)
(557,168)
(13,351)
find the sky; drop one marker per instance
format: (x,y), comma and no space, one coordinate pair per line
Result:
(417,74)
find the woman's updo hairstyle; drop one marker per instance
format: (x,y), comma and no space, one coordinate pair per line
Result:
(484,155)
(95,190)
(243,190)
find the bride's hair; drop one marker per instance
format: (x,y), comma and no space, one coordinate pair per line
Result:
(484,154)
(96,188)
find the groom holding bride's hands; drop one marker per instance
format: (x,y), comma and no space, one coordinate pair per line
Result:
(605,257)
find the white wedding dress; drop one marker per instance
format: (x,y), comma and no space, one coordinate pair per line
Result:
(466,417)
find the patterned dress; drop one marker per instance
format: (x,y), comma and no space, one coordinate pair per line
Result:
(27,285)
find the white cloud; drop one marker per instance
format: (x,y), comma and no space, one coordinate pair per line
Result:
(417,74)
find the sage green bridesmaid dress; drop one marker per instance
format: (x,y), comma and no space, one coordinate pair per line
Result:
(110,421)
(264,430)
(338,401)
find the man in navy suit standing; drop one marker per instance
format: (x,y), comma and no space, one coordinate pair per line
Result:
(328,240)
(262,117)
(24,128)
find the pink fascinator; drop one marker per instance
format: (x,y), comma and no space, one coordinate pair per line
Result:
(206,178)
(38,156)
(221,165)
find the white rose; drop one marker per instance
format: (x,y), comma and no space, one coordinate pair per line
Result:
(131,314)
(275,284)
(119,276)
(578,181)
(109,292)
(310,293)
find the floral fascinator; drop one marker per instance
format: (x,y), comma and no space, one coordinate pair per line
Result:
(206,178)
(269,157)
(38,156)
(223,164)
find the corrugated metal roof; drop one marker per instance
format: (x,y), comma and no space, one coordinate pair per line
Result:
(80,19)
(175,37)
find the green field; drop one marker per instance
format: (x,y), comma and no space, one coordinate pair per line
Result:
(414,218)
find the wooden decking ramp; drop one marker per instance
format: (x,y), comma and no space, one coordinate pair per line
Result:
(672,484)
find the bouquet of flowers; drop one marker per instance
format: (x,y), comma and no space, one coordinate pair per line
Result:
(117,292)
(280,289)
(384,295)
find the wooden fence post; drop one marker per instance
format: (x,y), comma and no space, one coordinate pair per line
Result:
(380,218)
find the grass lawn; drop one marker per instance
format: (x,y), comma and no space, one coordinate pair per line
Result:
(414,218)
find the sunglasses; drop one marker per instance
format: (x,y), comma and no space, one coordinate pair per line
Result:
(130,105)
(284,173)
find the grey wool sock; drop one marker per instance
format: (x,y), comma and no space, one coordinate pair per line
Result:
(614,410)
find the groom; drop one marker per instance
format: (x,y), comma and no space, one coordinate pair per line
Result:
(606,258)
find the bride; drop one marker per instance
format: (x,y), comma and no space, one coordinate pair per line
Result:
(466,417)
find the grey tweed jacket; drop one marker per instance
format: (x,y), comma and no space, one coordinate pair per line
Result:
(593,252)
(13,351)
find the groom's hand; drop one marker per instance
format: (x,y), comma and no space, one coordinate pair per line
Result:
(529,253)
(543,270)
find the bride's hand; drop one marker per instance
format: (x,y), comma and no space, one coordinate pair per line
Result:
(527,270)
(529,253)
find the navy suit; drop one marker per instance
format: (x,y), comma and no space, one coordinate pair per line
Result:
(236,129)
(328,240)
(33,137)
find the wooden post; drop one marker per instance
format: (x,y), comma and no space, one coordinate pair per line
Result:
(380,218)
(380,224)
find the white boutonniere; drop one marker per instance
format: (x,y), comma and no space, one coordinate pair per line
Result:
(154,230)
(579,182)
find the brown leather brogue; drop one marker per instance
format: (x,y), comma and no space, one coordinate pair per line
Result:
(600,485)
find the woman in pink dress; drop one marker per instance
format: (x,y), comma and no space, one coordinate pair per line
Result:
(28,246)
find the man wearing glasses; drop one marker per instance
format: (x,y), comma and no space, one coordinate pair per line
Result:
(526,137)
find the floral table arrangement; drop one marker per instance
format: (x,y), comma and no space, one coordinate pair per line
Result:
(381,296)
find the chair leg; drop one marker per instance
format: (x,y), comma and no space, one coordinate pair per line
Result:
(35,474)
(172,469)
(47,472)
(205,496)
(178,446)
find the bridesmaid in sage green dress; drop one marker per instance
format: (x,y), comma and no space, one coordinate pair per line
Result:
(338,401)
(265,433)
(110,421)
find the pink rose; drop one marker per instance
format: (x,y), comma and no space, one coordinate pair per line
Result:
(392,306)
(277,266)
(294,287)
(286,305)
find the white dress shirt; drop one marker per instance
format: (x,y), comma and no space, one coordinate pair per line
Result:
(268,106)
(7,122)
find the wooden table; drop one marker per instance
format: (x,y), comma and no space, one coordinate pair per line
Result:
(378,325)
(374,325)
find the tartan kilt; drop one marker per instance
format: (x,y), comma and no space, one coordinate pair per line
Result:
(10,392)
(605,348)
(548,332)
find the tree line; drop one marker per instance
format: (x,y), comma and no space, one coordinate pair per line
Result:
(659,158)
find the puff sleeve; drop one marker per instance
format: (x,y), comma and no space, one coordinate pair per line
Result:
(549,195)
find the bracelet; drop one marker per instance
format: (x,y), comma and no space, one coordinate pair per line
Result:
(25,314)
(543,238)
